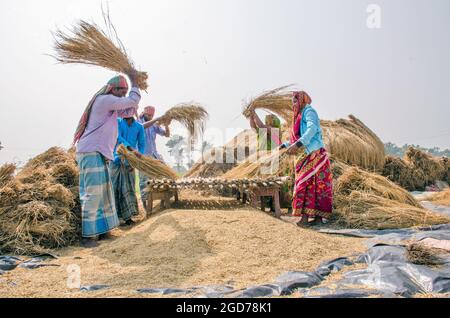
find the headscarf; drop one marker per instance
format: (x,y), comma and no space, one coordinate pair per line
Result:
(303,99)
(149,110)
(115,82)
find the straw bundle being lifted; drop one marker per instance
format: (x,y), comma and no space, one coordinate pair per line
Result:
(6,173)
(40,207)
(191,115)
(370,201)
(278,101)
(153,168)
(88,44)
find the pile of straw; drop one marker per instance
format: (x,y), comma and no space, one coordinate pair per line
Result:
(352,142)
(40,208)
(6,173)
(191,115)
(370,201)
(416,170)
(430,166)
(88,44)
(420,254)
(441,198)
(399,171)
(278,101)
(153,168)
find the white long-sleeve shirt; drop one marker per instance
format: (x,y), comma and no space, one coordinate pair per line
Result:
(102,131)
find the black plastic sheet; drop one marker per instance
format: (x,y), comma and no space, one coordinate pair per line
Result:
(389,271)
(92,288)
(8,263)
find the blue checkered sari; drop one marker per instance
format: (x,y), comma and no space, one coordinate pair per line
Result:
(123,181)
(99,214)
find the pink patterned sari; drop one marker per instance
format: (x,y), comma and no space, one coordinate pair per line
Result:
(313,189)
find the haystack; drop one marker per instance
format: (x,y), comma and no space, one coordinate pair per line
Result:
(88,44)
(352,142)
(40,208)
(399,171)
(425,163)
(416,170)
(370,201)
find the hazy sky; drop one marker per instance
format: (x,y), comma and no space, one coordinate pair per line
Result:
(219,52)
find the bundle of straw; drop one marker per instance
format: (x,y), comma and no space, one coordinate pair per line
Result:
(367,200)
(278,101)
(352,142)
(88,44)
(6,173)
(416,170)
(261,164)
(420,254)
(441,198)
(40,206)
(191,115)
(153,168)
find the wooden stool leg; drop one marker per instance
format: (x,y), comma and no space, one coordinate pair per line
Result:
(168,196)
(276,199)
(149,203)
(176,196)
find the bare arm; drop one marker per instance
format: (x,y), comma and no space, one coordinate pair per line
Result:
(151,122)
(113,103)
(257,121)
(167,130)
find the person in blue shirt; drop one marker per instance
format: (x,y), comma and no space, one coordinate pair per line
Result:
(313,187)
(152,128)
(132,136)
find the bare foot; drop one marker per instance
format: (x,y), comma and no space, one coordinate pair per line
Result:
(105,236)
(87,242)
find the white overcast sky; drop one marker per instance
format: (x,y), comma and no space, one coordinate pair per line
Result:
(219,52)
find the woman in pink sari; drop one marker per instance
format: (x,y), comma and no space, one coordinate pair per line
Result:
(313,188)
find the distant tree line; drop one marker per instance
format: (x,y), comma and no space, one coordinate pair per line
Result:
(394,150)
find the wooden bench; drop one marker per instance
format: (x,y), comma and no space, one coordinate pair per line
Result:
(164,196)
(256,195)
